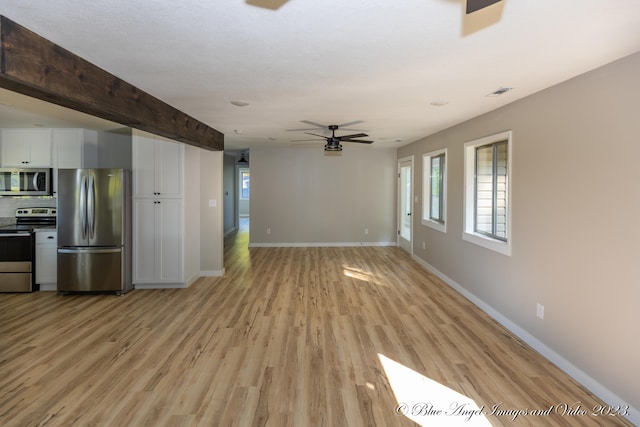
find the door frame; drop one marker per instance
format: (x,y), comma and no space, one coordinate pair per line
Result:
(402,162)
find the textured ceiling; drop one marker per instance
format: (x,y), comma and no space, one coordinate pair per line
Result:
(330,62)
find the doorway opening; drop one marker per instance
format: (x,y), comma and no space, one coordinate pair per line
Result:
(244,193)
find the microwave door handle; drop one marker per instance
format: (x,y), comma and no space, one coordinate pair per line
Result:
(83,206)
(91,207)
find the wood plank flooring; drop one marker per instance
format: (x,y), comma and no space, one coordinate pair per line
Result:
(288,337)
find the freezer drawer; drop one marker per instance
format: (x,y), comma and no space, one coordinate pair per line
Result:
(90,270)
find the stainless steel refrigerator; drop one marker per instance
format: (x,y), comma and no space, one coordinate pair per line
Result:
(94,230)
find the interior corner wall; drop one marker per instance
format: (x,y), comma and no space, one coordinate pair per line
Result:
(300,196)
(575,235)
(212,201)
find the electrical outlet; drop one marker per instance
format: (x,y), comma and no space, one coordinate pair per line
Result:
(366,231)
(424,245)
(268,231)
(540,311)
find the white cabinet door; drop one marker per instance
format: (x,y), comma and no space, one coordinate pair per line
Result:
(169,160)
(39,147)
(157,167)
(14,150)
(144,240)
(46,257)
(26,148)
(169,240)
(144,166)
(157,241)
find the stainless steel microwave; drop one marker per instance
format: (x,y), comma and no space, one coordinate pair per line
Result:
(25,182)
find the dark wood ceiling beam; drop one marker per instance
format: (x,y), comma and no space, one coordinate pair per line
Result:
(34,66)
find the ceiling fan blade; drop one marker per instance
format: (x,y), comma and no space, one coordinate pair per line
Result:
(355,135)
(318,125)
(315,134)
(300,130)
(358,141)
(350,124)
(475,5)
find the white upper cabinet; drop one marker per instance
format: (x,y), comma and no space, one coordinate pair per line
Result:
(26,148)
(75,148)
(157,167)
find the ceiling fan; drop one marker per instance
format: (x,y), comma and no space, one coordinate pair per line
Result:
(333,142)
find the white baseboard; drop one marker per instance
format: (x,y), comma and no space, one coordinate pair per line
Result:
(318,245)
(161,285)
(212,273)
(579,375)
(48,287)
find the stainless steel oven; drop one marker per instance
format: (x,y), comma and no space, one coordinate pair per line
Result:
(16,261)
(17,248)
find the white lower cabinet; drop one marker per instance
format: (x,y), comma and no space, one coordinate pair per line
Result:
(46,259)
(158,247)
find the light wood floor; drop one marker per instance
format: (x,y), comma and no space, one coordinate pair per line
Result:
(289,337)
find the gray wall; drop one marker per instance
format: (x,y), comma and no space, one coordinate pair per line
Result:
(114,149)
(212,201)
(575,238)
(305,197)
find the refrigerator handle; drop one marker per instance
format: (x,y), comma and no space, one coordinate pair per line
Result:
(91,207)
(83,206)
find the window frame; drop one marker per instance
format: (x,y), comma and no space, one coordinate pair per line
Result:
(427,220)
(241,173)
(470,234)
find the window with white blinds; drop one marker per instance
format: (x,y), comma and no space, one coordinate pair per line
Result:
(491,190)
(487,192)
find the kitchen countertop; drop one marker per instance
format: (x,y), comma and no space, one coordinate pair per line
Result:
(7,221)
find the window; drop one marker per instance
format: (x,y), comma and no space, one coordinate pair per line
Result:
(487,192)
(434,186)
(244,184)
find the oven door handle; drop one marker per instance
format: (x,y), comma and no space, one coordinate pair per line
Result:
(15,234)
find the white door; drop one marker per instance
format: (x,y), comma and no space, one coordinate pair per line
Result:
(405,197)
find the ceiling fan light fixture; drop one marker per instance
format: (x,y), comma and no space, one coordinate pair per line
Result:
(333,147)
(240,103)
(242,160)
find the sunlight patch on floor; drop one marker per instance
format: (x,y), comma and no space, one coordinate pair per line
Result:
(427,402)
(359,274)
